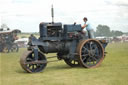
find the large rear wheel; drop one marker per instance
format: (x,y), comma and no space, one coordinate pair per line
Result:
(91,53)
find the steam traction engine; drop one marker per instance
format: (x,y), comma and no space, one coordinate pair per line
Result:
(68,42)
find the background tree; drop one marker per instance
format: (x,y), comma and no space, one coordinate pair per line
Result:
(103,30)
(116,33)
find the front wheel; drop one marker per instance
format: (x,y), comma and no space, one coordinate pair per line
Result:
(29,64)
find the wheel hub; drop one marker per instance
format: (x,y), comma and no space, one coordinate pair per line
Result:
(91,53)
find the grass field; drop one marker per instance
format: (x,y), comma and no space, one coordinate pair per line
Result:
(112,71)
(27,35)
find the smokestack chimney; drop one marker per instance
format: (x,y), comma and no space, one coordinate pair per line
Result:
(52,13)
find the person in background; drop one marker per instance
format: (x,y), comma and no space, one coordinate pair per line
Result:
(87,27)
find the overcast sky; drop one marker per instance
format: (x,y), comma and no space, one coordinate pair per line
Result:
(27,14)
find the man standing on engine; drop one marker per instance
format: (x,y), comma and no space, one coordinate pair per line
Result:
(87,27)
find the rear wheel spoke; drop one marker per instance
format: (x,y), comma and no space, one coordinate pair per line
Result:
(84,59)
(94,58)
(84,55)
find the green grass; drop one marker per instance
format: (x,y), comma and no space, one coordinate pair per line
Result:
(27,35)
(112,71)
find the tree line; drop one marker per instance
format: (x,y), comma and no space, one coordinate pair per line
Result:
(104,30)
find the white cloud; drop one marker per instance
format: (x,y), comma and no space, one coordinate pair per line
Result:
(26,14)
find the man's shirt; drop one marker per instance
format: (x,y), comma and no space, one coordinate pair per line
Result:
(88,27)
